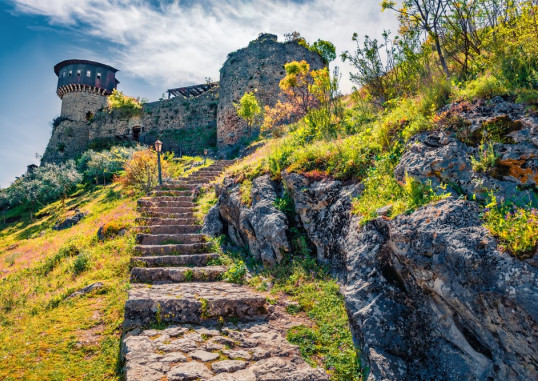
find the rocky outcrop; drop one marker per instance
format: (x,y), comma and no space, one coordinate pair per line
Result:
(444,156)
(324,212)
(431,298)
(261,227)
(429,295)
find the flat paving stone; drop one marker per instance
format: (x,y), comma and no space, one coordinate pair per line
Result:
(180,353)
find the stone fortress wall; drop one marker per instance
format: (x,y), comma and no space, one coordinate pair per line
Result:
(185,125)
(259,68)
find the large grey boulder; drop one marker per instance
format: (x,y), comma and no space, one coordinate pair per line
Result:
(324,211)
(431,298)
(261,227)
(444,156)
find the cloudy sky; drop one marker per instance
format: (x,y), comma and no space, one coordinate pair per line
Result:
(156,45)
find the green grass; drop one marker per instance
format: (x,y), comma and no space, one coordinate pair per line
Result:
(44,334)
(515,227)
(328,342)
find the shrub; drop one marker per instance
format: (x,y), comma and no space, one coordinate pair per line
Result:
(81,263)
(127,106)
(141,172)
(66,251)
(486,87)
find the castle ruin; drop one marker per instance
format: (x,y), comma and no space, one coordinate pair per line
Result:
(192,119)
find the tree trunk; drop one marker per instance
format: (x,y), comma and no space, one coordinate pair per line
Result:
(440,53)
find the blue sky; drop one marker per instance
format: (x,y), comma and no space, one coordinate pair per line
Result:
(156,45)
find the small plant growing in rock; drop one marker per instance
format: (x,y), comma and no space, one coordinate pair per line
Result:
(486,160)
(236,273)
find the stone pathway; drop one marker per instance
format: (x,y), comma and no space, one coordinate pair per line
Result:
(181,322)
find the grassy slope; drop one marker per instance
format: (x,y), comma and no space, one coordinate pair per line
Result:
(43,335)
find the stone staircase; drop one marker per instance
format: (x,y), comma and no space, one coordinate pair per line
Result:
(181,321)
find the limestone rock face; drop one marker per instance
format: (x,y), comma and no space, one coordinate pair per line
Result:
(430,297)
(445,156)
(258,68)
(324,210)
(262,226)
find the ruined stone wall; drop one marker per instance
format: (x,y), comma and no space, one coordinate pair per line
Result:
(184,125)
(258,67)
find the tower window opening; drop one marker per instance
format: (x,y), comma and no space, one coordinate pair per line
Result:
(136,133)
(70,73)
(98,75)
(78,73)
(88,73)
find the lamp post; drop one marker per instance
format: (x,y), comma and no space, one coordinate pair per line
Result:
(158,148)
(205,155)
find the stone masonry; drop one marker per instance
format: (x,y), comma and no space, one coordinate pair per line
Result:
(259,68)
(184,125)
(181,321)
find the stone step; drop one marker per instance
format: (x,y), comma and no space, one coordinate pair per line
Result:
(165,221)
(169,229)
(167,198)
(170,193)
(188,203)
(166,239)
(191,303)
(160,214)
(173,249)
(177,187)
(174,260)
(167,209)
(163,275)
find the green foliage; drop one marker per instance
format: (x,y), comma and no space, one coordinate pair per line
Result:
(58,120)
(66,251)
(236,273)
(126,106)
(249,108)
(328,342)
(81,263)
(204,202)
(325,49)
(516,227)
(487,158)
(103,165)
(526,96)
(44,184)
(382,189)
(486,87)
(245,191)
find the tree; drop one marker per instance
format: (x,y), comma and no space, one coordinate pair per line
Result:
(426,15)
(141,172)
(249,109)
(325,49)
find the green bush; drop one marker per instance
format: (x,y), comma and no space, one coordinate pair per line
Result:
(485,87)
(69,250)
(81,263)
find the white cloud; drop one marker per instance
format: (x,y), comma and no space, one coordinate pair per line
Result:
(182,42)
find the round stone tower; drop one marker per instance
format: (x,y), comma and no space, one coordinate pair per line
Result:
(83,86)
